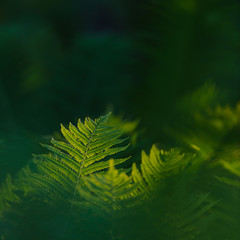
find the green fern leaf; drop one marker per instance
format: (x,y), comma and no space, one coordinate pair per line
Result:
(110,191)
(157,166)
(234,168)
(7,194)
(87,150)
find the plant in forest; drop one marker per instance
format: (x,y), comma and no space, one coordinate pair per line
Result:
(81,172)
(87,150)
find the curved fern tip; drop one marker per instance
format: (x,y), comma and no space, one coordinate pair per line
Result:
(107,115)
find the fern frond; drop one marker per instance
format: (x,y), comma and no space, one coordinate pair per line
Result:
(233,168)
(110,191)
(158,165)
(154,169)
(8,194)
(87,150)
(184,215)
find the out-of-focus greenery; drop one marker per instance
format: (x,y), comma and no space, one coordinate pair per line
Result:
(170,72)
(70,59)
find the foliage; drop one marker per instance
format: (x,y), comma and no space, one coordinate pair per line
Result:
(159,165)
(170,71)
(78,166)
(110,191)
(86,151)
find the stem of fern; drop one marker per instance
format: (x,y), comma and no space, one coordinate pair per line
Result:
(79,176)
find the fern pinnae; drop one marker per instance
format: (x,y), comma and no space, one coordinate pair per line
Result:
(85,154)
(110,191)
(137,177)
(102,165)
(67,159)
(68,148)
(80,136)
(60,171)
(87,150)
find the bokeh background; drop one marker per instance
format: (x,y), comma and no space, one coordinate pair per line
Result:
(67,59)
